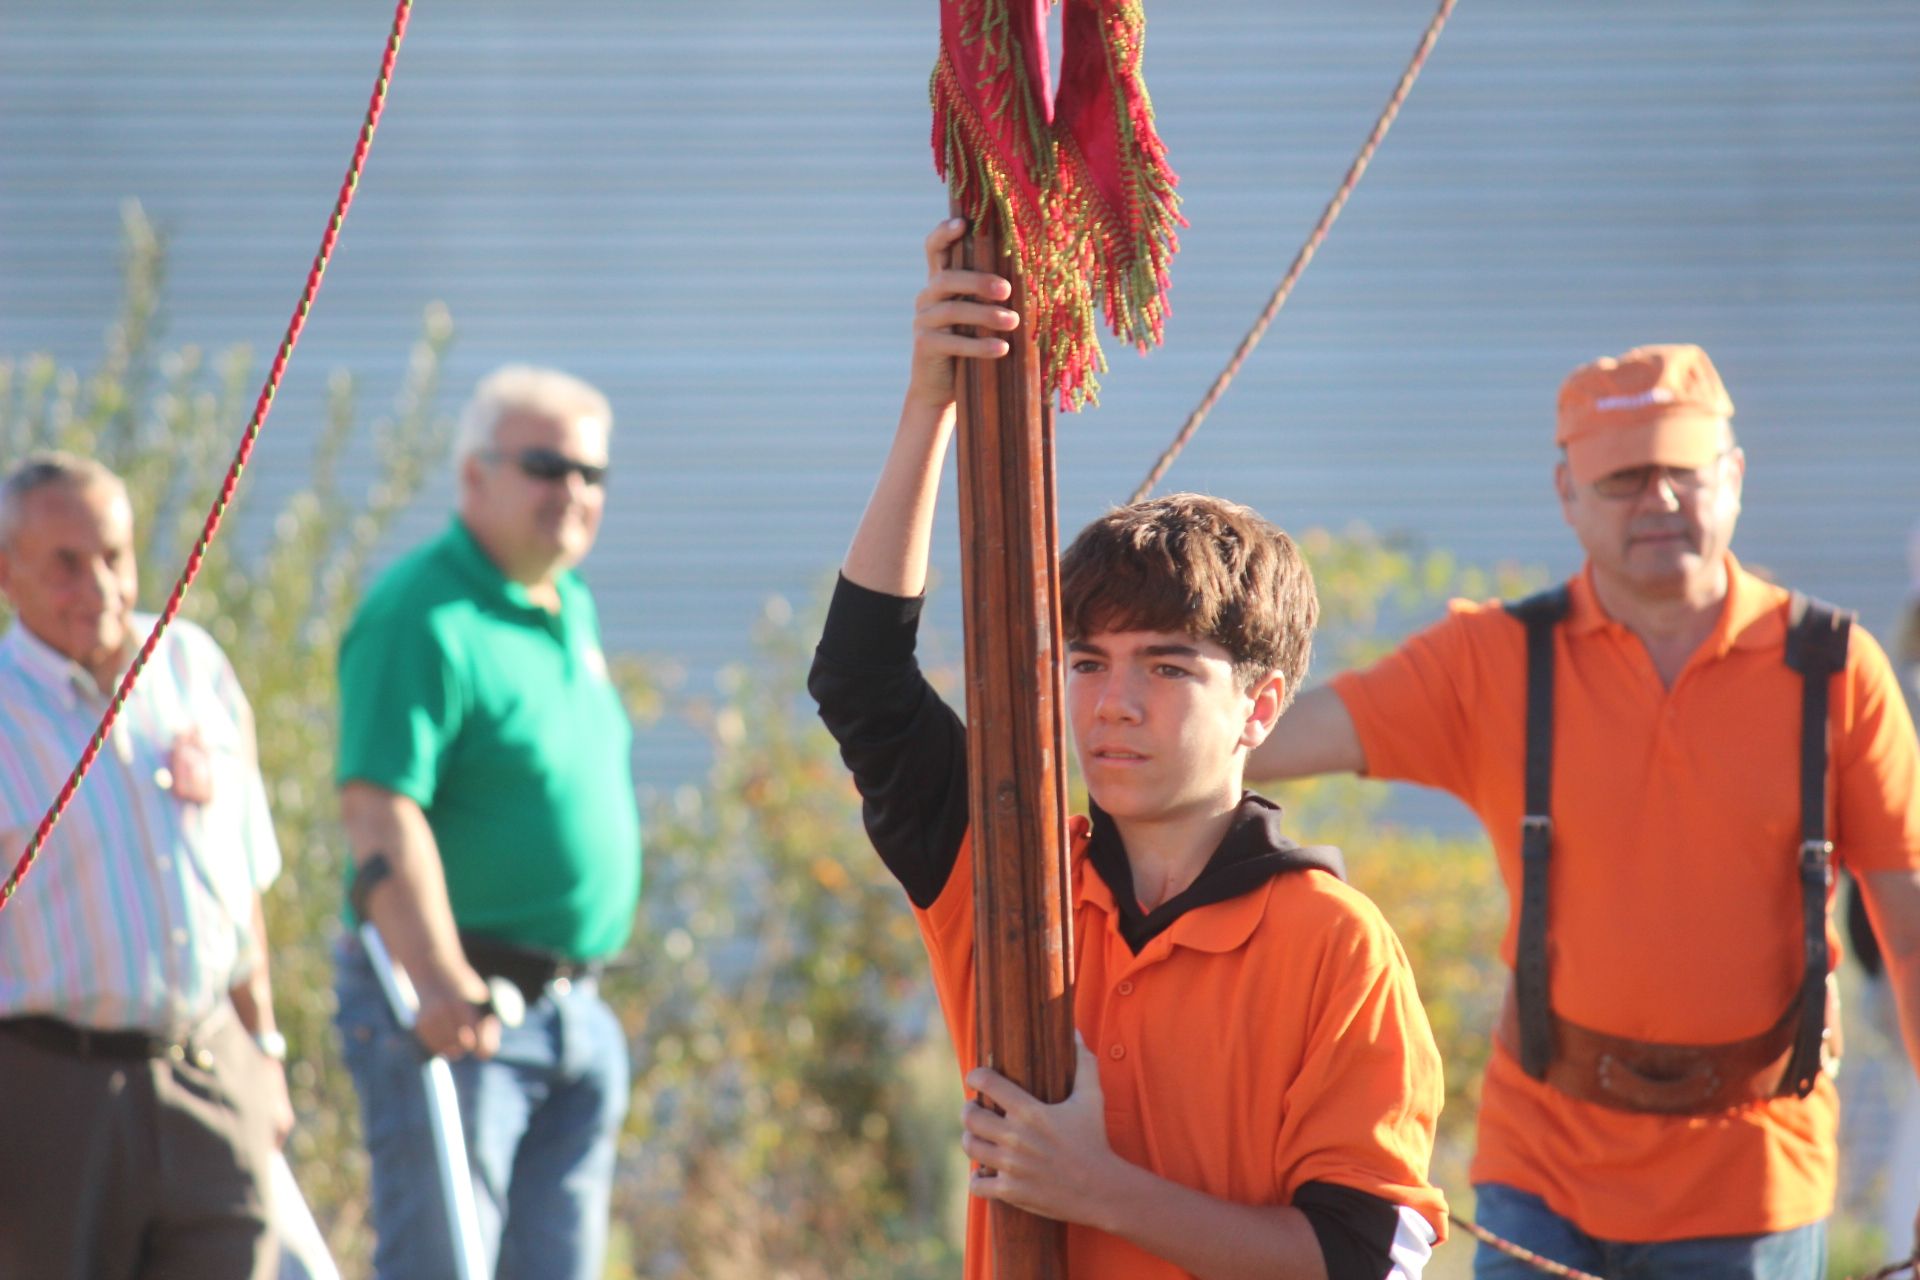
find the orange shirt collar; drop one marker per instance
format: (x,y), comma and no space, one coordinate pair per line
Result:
(1751,618)
(1221,926)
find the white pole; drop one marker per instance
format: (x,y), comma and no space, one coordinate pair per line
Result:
(303,1251)
(443,1114)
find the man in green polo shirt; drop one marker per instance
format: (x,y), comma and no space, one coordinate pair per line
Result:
(487,793)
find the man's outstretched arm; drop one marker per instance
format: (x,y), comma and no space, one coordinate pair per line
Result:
(1316,735)
(1893,904)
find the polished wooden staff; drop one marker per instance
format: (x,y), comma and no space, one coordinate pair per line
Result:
(1016,736)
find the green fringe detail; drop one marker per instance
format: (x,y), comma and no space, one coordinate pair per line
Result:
(1070,247)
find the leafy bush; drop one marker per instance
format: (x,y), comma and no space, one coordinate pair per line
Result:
(794,1085)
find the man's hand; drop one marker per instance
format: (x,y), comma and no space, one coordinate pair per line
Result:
(414,917)
(953,297)
(1049,1159)
(454,1019)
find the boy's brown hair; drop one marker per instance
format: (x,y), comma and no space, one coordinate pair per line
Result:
(1211,568)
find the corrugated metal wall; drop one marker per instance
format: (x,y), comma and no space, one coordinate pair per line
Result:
(713,209)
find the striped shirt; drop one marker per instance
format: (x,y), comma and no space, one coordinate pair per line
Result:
(138,912)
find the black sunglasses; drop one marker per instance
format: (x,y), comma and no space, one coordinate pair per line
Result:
(550,464)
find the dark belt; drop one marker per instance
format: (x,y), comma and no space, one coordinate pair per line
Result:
(528,968)
(87,1043)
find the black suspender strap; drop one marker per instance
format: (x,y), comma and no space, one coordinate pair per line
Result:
(1540,613)
(1817,638)
(1817,649)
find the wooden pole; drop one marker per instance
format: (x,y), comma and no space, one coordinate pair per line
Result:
(1016,736)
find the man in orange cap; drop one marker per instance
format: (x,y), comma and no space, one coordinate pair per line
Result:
(1670,756)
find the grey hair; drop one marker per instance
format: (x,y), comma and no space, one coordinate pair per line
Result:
(42,470)
(524,388)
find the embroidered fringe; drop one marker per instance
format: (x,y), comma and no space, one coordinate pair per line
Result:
(1076,233)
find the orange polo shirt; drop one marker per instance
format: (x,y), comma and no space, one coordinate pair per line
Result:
(1254,1045)
(1674,910)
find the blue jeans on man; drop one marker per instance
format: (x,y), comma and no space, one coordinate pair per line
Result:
(541,1118)
(1525,1220)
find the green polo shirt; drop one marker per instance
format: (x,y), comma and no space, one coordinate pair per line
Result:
(499,720)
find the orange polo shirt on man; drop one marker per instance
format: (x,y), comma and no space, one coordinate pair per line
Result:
(1674,904)
(1255,1045)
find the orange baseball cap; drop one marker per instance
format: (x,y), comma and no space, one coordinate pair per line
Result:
(1663,404)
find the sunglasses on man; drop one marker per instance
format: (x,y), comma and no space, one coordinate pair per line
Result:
(1631,482)
(552,465)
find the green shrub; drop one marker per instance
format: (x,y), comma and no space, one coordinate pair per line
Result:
(795,1111)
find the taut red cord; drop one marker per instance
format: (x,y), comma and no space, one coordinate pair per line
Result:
(1301,259)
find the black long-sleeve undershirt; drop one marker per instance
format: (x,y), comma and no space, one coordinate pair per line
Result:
(906,747)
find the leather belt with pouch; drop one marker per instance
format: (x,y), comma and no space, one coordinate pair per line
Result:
(1672,1079)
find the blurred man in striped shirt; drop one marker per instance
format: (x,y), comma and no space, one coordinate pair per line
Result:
(141,1085)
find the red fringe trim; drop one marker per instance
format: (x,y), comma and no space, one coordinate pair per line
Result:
(1074,231)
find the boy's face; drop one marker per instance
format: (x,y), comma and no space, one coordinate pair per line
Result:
(1161,724)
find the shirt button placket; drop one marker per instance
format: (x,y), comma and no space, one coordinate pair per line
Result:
(1118,1049)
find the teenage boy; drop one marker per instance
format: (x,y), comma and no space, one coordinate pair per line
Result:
(1256,1084)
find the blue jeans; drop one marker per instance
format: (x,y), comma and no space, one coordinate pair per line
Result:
(541,1118)
(1799,1254)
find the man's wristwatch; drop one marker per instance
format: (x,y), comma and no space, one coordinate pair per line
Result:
(272,1044)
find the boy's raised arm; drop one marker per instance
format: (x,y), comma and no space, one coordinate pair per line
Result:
(905,746)
(889,550)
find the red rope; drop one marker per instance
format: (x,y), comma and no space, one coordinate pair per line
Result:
(402,10)
(1301,259)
